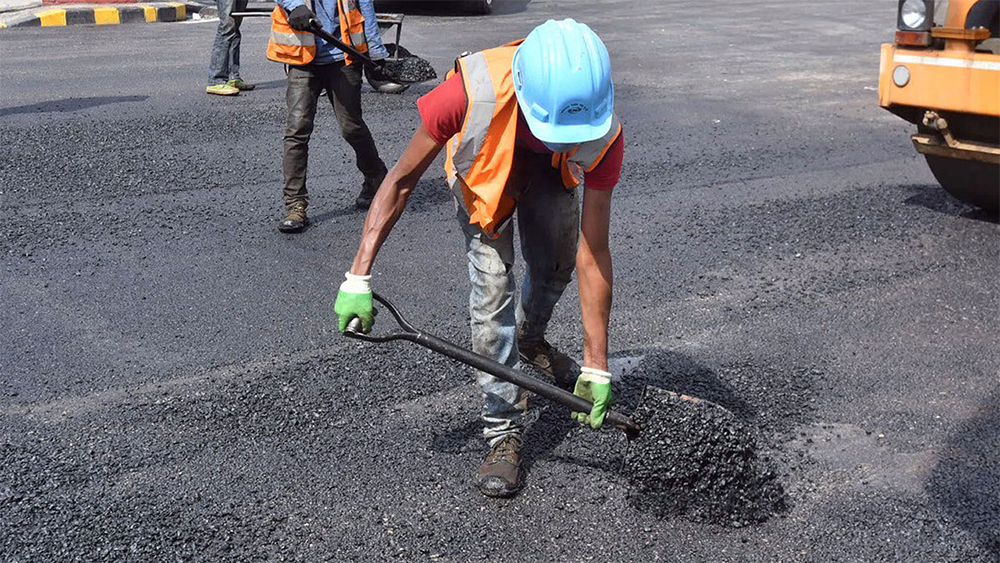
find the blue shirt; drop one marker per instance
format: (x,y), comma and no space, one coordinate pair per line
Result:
(326,14)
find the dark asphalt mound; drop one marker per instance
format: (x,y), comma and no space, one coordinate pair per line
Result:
(697,460)
(408,69)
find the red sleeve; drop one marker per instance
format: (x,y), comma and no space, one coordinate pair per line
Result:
(605,175)
(442,110)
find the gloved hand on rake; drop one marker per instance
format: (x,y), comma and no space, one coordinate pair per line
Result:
(355,300)
(593,385)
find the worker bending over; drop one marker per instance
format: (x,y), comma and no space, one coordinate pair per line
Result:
(524,125)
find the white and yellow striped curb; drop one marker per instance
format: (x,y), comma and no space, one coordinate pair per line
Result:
(103,14)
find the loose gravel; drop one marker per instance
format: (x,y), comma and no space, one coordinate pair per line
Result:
(696,459)
(408,70)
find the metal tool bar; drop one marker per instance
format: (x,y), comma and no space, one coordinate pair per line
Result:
(510,375)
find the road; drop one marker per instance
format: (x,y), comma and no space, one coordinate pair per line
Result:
(172,387)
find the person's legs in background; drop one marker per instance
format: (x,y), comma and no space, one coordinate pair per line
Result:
(234,51)
(344,91)
(220,64)
(304,84)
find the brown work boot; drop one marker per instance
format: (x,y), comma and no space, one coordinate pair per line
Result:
(295,221)
(368,190)
(545,357)
(498,476)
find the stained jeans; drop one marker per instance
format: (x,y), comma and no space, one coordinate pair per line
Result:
(343,88)
(225,62)
(548,222)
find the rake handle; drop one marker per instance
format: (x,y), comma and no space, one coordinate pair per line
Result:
(490,366)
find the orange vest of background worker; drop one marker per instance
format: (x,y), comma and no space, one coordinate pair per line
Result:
(294,47)
(480,157)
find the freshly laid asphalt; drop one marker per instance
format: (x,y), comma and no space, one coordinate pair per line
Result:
(172,386)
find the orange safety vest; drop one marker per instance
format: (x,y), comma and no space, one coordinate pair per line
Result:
(481,155)
(293,47)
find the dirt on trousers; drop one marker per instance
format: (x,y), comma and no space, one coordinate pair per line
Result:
(697,460)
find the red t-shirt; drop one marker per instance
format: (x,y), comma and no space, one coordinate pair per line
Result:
(443,110)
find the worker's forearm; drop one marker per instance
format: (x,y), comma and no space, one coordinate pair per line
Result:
(390,200)
(595,279)
(385,210)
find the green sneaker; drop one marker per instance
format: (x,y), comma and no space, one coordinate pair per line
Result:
(222,90)
(239,84)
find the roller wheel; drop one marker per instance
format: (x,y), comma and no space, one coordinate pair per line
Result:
(975,183)
(386,87)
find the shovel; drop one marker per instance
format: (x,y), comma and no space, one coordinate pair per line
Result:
(409,70)
(490,366)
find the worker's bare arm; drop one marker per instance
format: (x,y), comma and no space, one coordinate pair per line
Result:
(593,265)
(390,200)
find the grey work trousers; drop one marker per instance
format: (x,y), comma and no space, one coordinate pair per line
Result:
(343,87)
(548,222)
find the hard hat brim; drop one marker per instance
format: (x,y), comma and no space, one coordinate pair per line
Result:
(562,134)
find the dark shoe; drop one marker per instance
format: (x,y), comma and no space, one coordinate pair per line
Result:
(295,221)
(545,357)
(240,85)
(498,476)
(368,190)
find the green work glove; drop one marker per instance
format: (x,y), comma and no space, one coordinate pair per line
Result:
(355,300)
(595,386)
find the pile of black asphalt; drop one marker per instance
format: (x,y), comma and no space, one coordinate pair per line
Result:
(407,70)
(696,459)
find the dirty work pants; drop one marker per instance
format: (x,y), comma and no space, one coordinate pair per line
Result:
(548,222)
(225,61)
(343,88)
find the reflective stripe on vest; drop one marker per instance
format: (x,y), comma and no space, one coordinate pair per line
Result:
(287,45)
(295,39)
(352,28)
(482,101)
(481,155)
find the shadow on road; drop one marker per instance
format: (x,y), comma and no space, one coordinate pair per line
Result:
(966,482)
(70,104)
(270,85)
(680,374)
(656,368)
(320,218)
(429,194)
(935,198)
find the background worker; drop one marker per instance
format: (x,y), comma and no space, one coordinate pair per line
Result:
(315,66)
(540,121)
(224,66)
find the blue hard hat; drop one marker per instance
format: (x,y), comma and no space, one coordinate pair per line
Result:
(562,79)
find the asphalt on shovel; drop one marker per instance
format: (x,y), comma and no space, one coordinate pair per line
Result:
(685,456)
(405,70)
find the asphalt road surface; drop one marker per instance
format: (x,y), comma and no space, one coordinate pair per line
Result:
(172,386)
